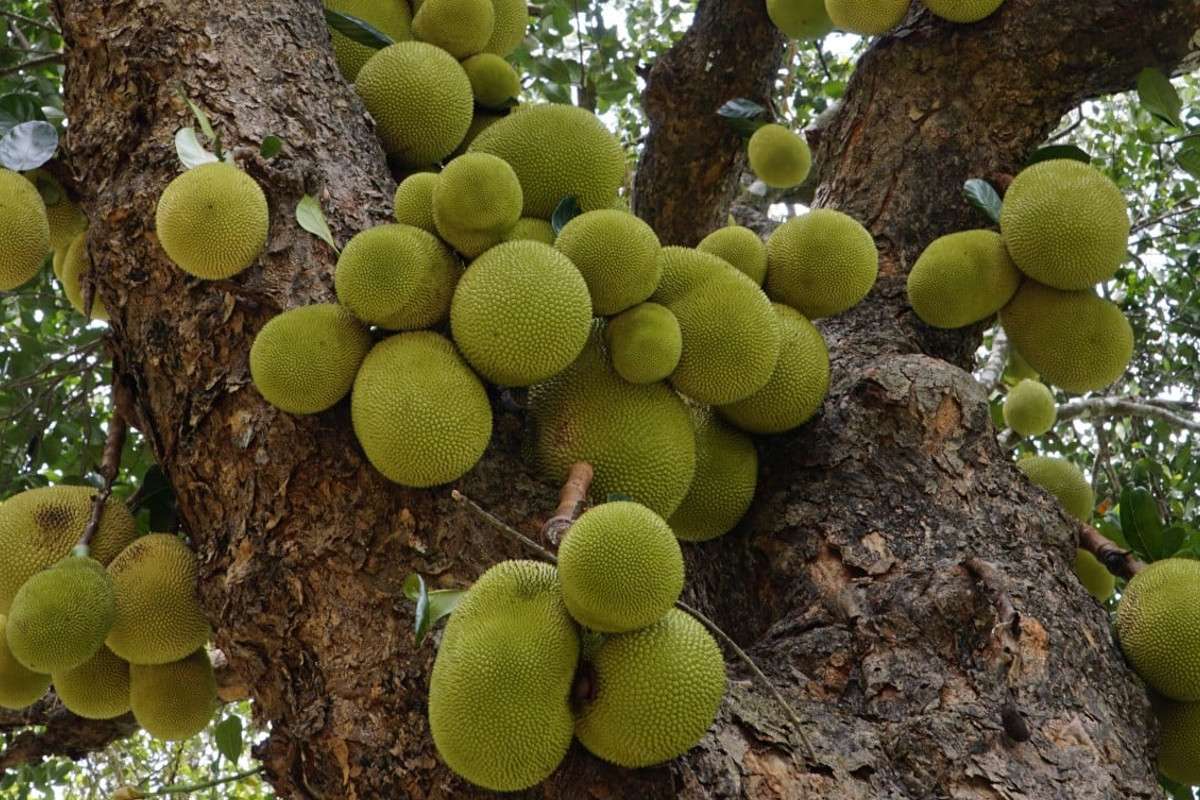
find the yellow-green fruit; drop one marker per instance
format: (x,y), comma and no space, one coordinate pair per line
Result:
(620,567)
(1158,623)
(1062,479)
(493,80)
(57,261)
(413,201)
(460,27)
(19,687)
(1018,369)
(1094,576)
(1077,341)
(60,616)
(1179,741)
(503,676)
(1029,408)
(388,16)
(420,99)
(511,20)
(476,202)
(741,247)
(821,263)
(866,17)
(173,701)
(637,437)
(64,217)
(683,269)
(212,221)
(158,614)
(800,19)
(420,414)
(74,262)
(96,689)
(962,278)
(723,488)
(586,162)
(657,692)
(479,122)
(521,313)
(645,343)
(1065,224)
(533,229)
(39,527)
(24,230)
(304,360)
(617,253)
(396,276)
(780,158)
(963,10)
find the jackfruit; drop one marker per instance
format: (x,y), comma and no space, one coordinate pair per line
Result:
(476,201)
(74,262)
(97,688)
(421,101)
(396,276)
(1029,408)
(683,269)
(1062,479)
(1017,369)
(413,201)
(460,27)
(60,616)
(638,438)
(56,262)
(388,16)
(1158,624)
(645,343)
(482,120)
(64,217)
(1077,341)
(521,313)
(19,687)
(1179,741)
(963,10)
(503,674)
(39,527)
(821,263)
(557,151)
(493,80)
(962,278)
(511,21)
(800,19)
(866,17)
(158,614)
(24,230)
(657,692)
(212,221)
(617,254)
(173,701)
(1094,576)
(533,229)
(620,567)
(420,414)
(741,247)
(723,487)
(1065,224)
(780,158)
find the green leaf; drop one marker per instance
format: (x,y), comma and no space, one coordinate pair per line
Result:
(1140,522)
(567,210)
(1173,539)
(270,147)
(1057,151)
(201,118)
(18,107)
(1188,157)
(983,196)
(743,115)
(431,606)
(191,153)
(228,734)
(357,30)
(1159,97)
(312,219)
(28,145)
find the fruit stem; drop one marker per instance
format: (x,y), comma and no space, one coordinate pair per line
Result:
(195,787)
(502,526)
(110,462)
(570,501)
(1119,562)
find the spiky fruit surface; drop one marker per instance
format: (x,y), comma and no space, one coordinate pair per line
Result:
(173,701)
(1179,741)
(866,17)
(741,247)
(503,673)
(616,253)
(60,616)
(212,221)
(1077,341)
(821,263)
(24,230)
(586,161)
(389,16)
(19,686)
(620,567)
(304,360)
(420,99)
(657,692)
(1065,224)
(963,10)
(780,158)
(1062,479)
(1158,623)
(480,122)
(511,21)
(74,263)
(413,202)
(476,201)
(645,343)
(396,276)
(493,80)
(39,527)
(533,229)
(64,217)
(1094,576)
(638,438)
(96,689)
(158,614)
(962,278)
(1029,408)
(460,27)
(723,487)
(800,19)
(521,313)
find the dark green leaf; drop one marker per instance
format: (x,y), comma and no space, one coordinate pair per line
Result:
(191,153)
(1173,539)
(1159,97)
(357,30)
(743,115)
(19,107)
(28,145)
(1140,522)
(270,147)
(983,196)
(310,217)
(1188,157)
(1111,528)
(228,734)
(202,119)
(1056,151)
(567,210)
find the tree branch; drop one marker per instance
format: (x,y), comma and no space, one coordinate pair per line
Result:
(110,462)
(52,58)
(30,21)
(62,734)
(1119,562)
(993,369)
(1125,407)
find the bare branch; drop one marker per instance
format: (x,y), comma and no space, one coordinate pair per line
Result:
(1124,407)
(110,462)
(31,21)
(61,733)
(993,368)
(1174,212)
(53,58)
(1119,562)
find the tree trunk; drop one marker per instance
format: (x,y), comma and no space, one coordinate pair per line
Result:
(847,581)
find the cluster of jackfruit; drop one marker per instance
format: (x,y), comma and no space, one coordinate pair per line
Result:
(812,19)
(115,627)
(534,655)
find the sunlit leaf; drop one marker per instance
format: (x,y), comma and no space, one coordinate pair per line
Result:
(191,153)
(310,217)
(28,145)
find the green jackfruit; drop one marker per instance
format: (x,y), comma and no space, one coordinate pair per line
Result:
(388,16)
(617,253)
(19,687)
(645,343)
(24,230)
(64,217)
(1158,624)
(1029,408)
(212,221)
(963,10)
(482,120)
(173,701)
(413,201)
(1017,369)
(511,21)
(74,262)
(1179,741)
(60,616)
(726,476)
(780,158)
(96,689)
(533,229)
(460,27)
(1094,576)
(476,202)
(962,278)
(493,80)
(800,19)
(1062,479)
(741,247)
(821,263)
(684,269)
(867,17)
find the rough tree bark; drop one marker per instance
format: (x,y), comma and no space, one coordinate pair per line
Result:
(847,580)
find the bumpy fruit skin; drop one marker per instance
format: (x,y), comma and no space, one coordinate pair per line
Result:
(1077,341)
(741,247)
(962,278)
(586,161)
(493,80)
(60,616)
(413,201)
(24,230)
(421,101)
(304,360)
(1099,582)
(39,527)
(780,158)
(64,217)
(460,27)
(533,229)
(158,614)
(723,488)
(389,16)
(74,262)
(503,674)
(521,313)
(821,263)
(97,688)
(620,567)
(866,17)
(420,414)
(476,201)
(616,253)
(19,686)
(1065,224)
(657,692)
(511,20)
(173,701)
(1158,624)
(212,221)
(1062,479)
(1029,408)
(1179,741)
(963,10)
(800,19)
(645,343)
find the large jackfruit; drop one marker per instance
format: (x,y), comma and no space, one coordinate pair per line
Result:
(962,278)
(96,689)
(779,157)
(821,263)
(1062,479)
(867,17)
(476,202)
(460,27)
(726,476)
(1158,623)
(1179,741)
(212,221)
(19,686)
(74,262)
(645,343)
(616,253)
(800,19)
(24,230)
(741,247)
(963,10)
(173,701)
(388,16)
(1029,408)
(60,616)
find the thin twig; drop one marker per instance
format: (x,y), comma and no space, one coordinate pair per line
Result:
(503,526)
(1124,407)
(1119,562)
(53,58)
(993,369)
(821,59)
(31,21)
(570,501)
(1174,212)
(110,462)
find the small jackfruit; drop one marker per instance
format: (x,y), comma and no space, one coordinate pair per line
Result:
(420,414)
(780,158)
(533,229)
(60,616)
(1062,479)
(620,567)
(1029,408)
(413,201)
(396,276)
(74,262)
(493,80)
(1179,741)
(961,279)
(96,689)
(19,686)
(173,701)
(741,247)
(1094,576)
(616,253)
(723,488)
(800,19)
(387,16)
(866,17)
(821,263)
(963,10)
(1158,624)
(212,221)
(645,343)
(460,27)
(24,230)
(476,202)
(511,21)
(64,217)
